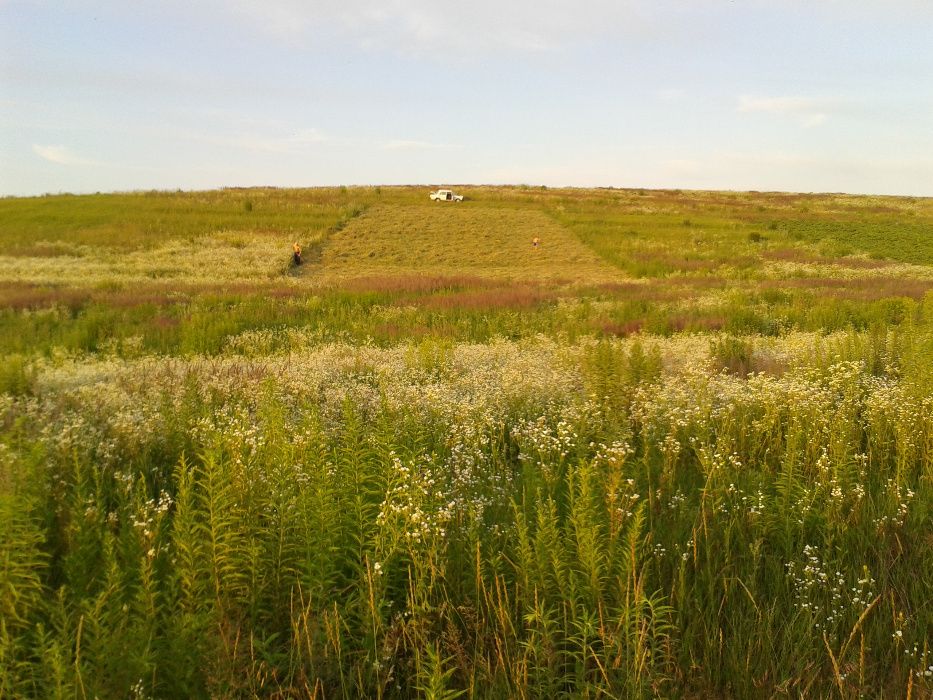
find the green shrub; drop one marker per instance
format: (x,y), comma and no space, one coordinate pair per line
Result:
(731,354)
(17,375)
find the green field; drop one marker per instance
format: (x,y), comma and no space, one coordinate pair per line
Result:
(683,448)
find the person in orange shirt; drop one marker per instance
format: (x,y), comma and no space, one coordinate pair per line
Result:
(296,256)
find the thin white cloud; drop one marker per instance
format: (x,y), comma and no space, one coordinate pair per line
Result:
(814,119)
(807,111)
(425,25)
(297,141)
(779,105)
(273,139)
(309,136)
(421,26)
(792,171)
(404,145)
(61,155)
(418,26)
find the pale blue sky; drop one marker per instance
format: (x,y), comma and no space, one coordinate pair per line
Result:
(800,95)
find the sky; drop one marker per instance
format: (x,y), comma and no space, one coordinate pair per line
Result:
(790,95)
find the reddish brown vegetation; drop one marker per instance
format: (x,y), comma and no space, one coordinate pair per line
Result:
(620,329)
(695,322)
(704,282)
(23,296)
(413,284)
(869,289)
(164,322)
(512,297)
(454,292)
(20,297)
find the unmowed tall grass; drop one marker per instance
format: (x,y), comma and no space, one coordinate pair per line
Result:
(604,518)
(703,473)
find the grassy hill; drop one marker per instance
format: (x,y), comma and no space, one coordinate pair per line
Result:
(182,272)
(684,448)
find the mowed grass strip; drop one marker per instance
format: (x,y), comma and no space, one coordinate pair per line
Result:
(462,239)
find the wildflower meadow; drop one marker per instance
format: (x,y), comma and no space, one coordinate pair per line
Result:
(672,459)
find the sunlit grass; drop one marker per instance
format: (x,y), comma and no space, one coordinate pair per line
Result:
(682,449)
(462,238)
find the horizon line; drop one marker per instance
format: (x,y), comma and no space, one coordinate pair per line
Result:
(521,185)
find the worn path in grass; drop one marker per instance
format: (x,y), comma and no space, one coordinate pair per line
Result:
(462,239)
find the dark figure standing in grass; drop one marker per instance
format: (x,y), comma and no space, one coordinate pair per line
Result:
(296,255)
